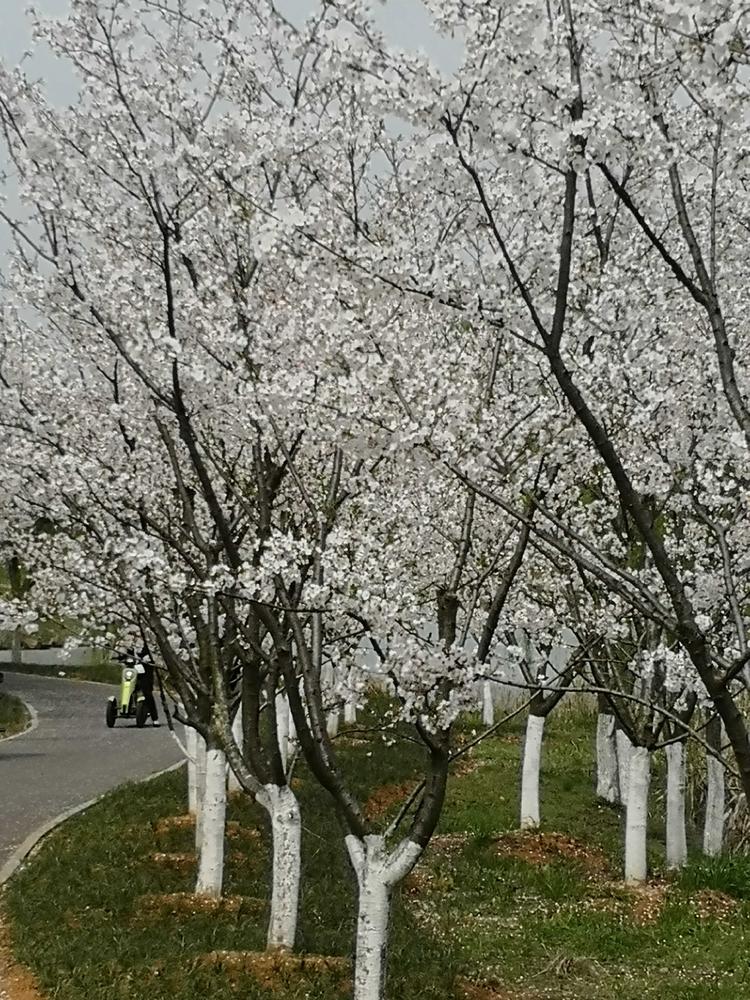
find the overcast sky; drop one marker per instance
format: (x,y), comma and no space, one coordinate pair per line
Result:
(405,22)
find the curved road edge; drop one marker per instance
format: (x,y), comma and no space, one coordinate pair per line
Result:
(34,840)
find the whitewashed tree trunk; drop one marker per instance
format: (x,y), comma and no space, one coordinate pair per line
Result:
(350,710)
(213,816)
(532,762)
(200,785)
(713,828)
(607,777)
(377,874)
(676,836)
(488,704)
(636,814)
(286,828)
(237,733)
(332,723)
(624,752)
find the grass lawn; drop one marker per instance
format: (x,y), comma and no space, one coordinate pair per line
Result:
(488,915)
(14,717)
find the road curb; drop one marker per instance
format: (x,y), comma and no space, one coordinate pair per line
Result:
(33,716)
(34,840)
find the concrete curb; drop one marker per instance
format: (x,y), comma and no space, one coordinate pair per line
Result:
(29,729)
(34,840)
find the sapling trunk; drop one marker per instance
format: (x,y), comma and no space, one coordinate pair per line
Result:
(607,777)
(238,734)
(676,836)
(212,825)
(636,815)
(532,762)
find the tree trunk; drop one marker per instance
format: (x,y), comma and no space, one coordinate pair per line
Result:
(532,762)
(713,829)
(200,785)
(624,752)
(237,732)
(607,778)
(676,837)
(286,828)
(213,815)
(350,710)
(488,705)
(377,874)
(16,656)
(192,770)
(636,815)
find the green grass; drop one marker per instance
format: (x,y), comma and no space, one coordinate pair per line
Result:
(14,716)
(478,909)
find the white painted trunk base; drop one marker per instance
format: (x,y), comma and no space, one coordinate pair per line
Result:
(636,815)
(286,827)
(350,710)
(607,778)
(213,815)
(676,836)
(624,751)
(332,723)
(713,828)
(532,762)
(377,874)
(488,705)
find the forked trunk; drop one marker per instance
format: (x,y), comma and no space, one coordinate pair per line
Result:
(607,778)
(676,836)
(532,762)
(213,816)
(713,829)
(377,874)
(286,827)
(636,815)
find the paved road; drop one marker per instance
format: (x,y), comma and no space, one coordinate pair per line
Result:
(71,757)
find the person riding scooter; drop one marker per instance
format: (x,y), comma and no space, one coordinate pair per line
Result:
(144,667)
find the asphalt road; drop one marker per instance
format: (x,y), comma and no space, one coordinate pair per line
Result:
(70,757)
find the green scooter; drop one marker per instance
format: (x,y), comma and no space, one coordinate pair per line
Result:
(130,703)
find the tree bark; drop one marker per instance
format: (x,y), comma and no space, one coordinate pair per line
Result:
(237,731)
(532,762)
(286,827)
(200,785)
(283,734)
(607,777)
(636,815)
(713,828)
(213,816)
(676,836)
(192,770)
